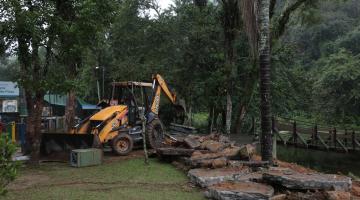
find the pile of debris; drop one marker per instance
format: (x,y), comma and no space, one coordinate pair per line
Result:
(228,171)
(212,151)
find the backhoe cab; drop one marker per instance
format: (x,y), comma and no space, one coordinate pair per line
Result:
(132,109)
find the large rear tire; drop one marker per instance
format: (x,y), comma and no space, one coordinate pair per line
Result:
(154,134)
(122,144)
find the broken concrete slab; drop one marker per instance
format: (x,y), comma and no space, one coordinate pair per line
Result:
(247,151)
(212,146)
(192,142)
(307,181)
(219,163)
(240,191)
(337,195)
(206,177)
(279,197)
(253,176)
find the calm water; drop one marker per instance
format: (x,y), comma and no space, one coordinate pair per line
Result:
(329,162)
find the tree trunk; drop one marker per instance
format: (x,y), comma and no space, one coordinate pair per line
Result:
(70,110)
(240,118)
(33,124)
(228,113)
(265,80)
(246,98)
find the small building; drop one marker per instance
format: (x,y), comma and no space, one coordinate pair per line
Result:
(55,106)
(10,101)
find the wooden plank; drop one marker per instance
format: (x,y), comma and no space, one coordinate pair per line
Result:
(302,139)
(183,126)
(278,135)
(182,130)
(323,142)
(342,145)
(170,151)
(357,142)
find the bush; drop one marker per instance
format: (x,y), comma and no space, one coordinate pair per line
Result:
(8,168)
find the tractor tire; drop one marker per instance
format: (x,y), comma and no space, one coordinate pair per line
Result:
(154,134)
(122,144)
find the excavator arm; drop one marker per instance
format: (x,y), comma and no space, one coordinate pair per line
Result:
(158,86)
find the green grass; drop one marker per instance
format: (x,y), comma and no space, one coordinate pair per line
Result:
(122,179)
(200,120)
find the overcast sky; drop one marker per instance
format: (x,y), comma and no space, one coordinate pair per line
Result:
(164,3)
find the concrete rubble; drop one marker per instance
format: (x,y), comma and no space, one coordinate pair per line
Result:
(241,191)
(231,172)
(207,177)
(307,181)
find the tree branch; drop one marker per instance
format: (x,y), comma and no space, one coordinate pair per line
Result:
(272,8)
(285,16)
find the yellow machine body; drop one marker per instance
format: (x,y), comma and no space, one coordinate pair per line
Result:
(105,125)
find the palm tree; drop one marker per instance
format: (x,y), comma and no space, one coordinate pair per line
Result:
(265,80)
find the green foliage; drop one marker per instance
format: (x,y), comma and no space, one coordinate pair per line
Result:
(8,168)
(315,66)
(337,87)
(185,43)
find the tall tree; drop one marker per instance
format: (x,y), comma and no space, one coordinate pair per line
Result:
(81,28)
(231,25)
(28,24)
(265,81)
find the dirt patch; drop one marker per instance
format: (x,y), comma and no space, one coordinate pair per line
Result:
(295,167)
(306,196)
(243,186)
(27,181)
(355,190)
(283,164)
(221,171)
(110,157)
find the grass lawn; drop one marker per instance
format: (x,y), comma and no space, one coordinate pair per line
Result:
(115,179)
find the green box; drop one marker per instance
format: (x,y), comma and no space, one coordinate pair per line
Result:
(86,157)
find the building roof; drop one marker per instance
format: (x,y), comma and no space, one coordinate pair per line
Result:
(60,100)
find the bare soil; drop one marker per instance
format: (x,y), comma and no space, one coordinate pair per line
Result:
(243,186)
(27,181)
(221,171)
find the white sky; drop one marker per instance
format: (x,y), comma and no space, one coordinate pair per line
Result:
(164,3)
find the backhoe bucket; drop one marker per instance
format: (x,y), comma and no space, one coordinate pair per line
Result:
(65,142)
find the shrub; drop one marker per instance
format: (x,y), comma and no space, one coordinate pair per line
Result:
(8,168)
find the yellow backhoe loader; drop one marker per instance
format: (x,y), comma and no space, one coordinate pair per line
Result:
(129,112)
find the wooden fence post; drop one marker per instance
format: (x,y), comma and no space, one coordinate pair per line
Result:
(315,135)
(294,133)
(253,128)
(274,134)
(334,138)
(346,140)
(353,140)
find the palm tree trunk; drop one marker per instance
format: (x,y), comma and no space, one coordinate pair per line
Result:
(265,80)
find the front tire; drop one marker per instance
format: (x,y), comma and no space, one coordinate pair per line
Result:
(154,134)
(122,144)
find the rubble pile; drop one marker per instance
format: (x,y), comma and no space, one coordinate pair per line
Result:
(228,171)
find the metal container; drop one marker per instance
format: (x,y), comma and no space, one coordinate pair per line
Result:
(86,157)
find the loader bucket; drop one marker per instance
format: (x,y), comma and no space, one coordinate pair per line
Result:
(65,142)
(179,114)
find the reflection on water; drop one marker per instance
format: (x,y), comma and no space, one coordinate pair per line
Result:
(329,162)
